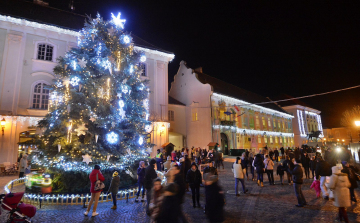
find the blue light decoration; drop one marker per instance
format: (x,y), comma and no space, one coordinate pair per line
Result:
(131,70)
(121,110)
(126,39)
(117,21)
(124,89)
(75,81)
(112,137)
(143,58)
(106,64)
(74,64)
(141,140)
(59,84)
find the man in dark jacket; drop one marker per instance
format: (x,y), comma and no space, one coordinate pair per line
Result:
(282,151)
(350,171)
(305,161)
(297,175)
(312,165)
(179,180)
(288,164)
(141,181)
(170,207)
(150,176)
(276,153)
(210,169)
(322,170)
(214,197)
(193,177)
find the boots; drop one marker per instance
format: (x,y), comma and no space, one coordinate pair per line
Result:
(258,182)
(113,207)
(142,198)
(262,184)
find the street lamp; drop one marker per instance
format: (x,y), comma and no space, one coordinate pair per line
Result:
(3,122)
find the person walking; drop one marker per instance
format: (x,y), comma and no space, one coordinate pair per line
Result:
(214,197)
(305,160)
(280,171)
(259,167)
(269,169)
(312,165)
(323,169)
(252,169)
(193,178)
(288,164)
(276,153)
(23,165)
(179,180)
(95,175)
(114,188)
(316,185)
(159,160)
(150,176)
(239,176)
(210,169)
(141,181)
(170,207)
(340,184)
(157,196)
(297,175)
(167,163)
(244,165)
(350,171)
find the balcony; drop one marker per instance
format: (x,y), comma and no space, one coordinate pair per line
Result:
(227,123)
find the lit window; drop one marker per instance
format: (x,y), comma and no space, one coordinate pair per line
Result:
(265,139)
(276,139)
(274,124)
(271,139)
(257,121)
(45,52)
(269,123)
(263,122)
(259,139)
(171,115)
(40,96)
(238,137)
(194,115)
(280,139)
(143,69)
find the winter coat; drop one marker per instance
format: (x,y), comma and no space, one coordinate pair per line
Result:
(238,171)
(276,152)
(287,164)
(179,180)
(340,185)
(214,202)
(352,177)
(316,185)
(173,155)
(187,164)
(23,164)
(170,210)
(305,160)
(312,164)
(150,175)
(297,173)
(211,170)
(244,162)
(269,164)
(259,164)
(141,174)
(280,170)
(323,169)
(114,185)
(193,178)
(167,164)
(92,178)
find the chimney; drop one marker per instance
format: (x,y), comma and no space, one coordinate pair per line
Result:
(41,2)
(199,69)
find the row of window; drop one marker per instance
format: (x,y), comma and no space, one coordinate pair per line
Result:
(266,139)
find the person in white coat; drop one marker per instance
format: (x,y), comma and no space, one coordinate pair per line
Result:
(334,169)
(239,176)
(269,169)
(340,184)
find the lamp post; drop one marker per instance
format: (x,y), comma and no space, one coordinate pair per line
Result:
(3,122)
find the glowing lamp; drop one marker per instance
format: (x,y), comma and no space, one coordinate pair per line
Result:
(357,123)
(338,149)
(3,122)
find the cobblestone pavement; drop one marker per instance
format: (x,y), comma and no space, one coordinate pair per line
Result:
(268,204)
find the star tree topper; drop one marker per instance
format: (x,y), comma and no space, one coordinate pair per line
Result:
(87,159)
(117,21)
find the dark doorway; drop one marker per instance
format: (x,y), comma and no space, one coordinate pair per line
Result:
(224,144)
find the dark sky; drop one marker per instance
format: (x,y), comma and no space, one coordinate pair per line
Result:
(265,47)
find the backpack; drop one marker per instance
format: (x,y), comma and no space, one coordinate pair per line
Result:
(98,184)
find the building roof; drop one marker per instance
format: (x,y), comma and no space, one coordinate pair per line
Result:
(52,16)
(224,88)
(173,101)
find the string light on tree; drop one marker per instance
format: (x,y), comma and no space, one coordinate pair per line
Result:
(126,39)
(141,140)
(75,81)
(112,137)
(143,58)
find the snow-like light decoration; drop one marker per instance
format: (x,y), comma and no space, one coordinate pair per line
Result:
(124,89)
(148,128)
(121,103)
(87,159)
(143,58)
(131,70)
(126,39)
(99,50)
(251,131)
(117,21)
(141,87)
(74,64)
(141,140)
(75,81)
(121,110)
(59,84)
(82,62)
(112,137)
(106,64)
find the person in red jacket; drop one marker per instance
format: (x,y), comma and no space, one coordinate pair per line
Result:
(95,194)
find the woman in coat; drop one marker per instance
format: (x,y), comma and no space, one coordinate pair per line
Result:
(193,178)
(259,166)
(269,169)
(95,194)
(340,184)
(114,187)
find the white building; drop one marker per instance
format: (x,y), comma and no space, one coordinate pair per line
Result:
(32,36)
(210,110)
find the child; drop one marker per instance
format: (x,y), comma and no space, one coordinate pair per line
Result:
(114,187)
(316,185)
(280,172)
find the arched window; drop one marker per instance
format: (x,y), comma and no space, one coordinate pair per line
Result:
(40,97)
(45,52)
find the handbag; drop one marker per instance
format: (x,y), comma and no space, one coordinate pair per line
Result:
(98,184)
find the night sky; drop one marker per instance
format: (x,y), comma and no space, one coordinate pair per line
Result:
(265,47)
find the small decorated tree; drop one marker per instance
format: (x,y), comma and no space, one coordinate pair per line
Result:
(98,105)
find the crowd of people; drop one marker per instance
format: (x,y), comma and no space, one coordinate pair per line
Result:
(331,179)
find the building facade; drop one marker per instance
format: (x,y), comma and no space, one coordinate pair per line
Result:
(215,111)
(305,121)
(29,47)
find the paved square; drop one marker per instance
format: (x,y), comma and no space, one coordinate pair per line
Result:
(268,204)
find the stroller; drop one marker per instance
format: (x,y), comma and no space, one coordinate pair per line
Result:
(17,212)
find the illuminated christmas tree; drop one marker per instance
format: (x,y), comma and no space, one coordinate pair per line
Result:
(98,105)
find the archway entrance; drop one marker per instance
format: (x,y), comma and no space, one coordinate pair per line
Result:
(224,144)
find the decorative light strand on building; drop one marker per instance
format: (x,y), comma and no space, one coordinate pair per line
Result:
(252,131)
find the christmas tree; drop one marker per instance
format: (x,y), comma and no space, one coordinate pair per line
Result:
(98,111)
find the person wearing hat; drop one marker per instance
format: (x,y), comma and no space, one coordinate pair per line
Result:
(95,175)
(114,187)
(150,176)
(193,178)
